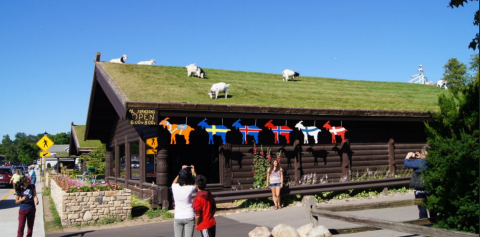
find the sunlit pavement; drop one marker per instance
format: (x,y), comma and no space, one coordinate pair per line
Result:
(9,212)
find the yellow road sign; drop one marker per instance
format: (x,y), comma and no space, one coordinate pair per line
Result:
(151,151)
(44,154)
(152,142)
(45,143)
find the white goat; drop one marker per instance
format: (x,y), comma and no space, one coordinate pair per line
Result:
(119,60)
(289,73)
(217,89)
(441,84)
(151,62)
(194,70)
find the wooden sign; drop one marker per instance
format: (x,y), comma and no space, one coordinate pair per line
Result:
(152,142)
(142,116)
(152,151)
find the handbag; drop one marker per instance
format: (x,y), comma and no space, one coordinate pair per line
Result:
(416,181)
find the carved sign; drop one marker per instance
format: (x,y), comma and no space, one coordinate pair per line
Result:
(142,116)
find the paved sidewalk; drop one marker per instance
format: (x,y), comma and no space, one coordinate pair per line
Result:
(9,214)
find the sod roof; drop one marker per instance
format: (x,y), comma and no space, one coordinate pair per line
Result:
(168,84)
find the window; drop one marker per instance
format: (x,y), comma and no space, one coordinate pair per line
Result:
(134,161)
(122,161)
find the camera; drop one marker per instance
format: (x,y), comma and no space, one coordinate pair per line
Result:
(414,155)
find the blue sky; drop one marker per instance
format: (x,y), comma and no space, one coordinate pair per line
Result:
(47,47)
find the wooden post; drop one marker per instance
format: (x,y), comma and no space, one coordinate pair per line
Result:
(296,165)
(345,149)
(224,164)
(97,59)
(310,204)
(391,157)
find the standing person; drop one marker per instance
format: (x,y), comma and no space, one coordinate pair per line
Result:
(204,207)
(417,162)
(15,179)
(32,175)
(27,198)
(184,219)
(275,181)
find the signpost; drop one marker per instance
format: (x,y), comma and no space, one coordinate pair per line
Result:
(44,143)
(153,143)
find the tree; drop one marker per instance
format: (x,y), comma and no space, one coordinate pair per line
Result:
(9,149)
(61,138)
(455,74)
(454,158)
(476,18)
(96,158)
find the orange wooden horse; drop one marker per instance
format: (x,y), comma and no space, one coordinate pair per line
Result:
(174,129)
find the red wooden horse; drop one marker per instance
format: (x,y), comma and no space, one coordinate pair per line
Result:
(174,129)
(340,131)
(279,130)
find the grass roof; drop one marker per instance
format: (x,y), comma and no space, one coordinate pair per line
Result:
(80,132)
(142,83)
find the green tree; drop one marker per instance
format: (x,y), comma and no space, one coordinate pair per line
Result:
(10,149)
(96,158)
(454,158)
(476,18)
(455,74)
(60,138)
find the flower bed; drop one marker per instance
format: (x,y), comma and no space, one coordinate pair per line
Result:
(71,186)
(80,204)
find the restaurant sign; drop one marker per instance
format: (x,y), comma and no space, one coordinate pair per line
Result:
(142,116)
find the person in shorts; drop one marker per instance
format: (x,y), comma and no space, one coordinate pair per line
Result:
(204,207)
(275,182)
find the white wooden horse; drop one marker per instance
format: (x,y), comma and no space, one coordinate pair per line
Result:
(308,131)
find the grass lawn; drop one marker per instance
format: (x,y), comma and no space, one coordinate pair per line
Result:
(142,83)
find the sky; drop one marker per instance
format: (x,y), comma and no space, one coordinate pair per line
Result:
(47,48)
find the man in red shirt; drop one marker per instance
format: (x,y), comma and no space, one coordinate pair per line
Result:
(204,207)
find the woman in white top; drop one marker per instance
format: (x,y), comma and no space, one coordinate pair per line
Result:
(275,181)
(184,218)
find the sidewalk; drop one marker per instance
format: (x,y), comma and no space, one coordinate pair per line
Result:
(9,214)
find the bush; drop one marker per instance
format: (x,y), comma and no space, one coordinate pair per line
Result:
(453,161)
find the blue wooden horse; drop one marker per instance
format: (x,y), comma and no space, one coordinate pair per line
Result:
(218,130)
(247,130)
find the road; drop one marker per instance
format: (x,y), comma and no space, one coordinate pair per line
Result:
(9,213)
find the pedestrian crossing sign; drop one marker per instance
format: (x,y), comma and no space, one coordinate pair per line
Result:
(45,143)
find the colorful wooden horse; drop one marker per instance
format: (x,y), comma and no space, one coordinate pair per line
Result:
(174,129)
(340,131)
(218,130)
(308,131)
(247,130)
(279,130)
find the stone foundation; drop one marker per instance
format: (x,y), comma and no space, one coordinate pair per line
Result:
(86,207)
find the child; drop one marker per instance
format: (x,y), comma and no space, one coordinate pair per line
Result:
(204,207)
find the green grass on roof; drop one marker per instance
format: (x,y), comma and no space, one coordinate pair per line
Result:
(143,83)
(80,131)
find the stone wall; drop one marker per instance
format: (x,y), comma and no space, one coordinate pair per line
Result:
(86,207)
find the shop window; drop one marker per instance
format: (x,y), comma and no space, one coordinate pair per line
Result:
(134,161)
(122,161)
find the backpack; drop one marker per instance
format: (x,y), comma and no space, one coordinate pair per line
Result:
(416,181)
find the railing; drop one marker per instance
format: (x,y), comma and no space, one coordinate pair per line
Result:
(310,189)
(313,213)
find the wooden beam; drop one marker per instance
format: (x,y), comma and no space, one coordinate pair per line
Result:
(313,212)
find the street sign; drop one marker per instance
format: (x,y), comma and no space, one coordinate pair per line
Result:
(152,142)
(151,151)
(45,143)
(44,154)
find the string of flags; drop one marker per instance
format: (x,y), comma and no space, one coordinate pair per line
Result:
(251,130)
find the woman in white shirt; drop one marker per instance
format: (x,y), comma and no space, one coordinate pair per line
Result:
(275,181)
(184,218)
